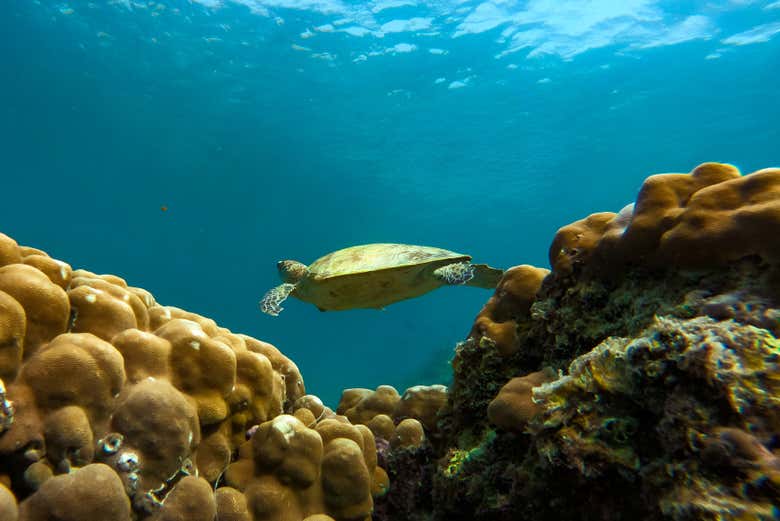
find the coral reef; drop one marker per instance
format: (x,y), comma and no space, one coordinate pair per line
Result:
(657,334)
(514,405)
(639,379)
(113,406)
(703,219)
(508,308)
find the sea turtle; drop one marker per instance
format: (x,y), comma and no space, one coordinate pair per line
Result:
(374,275)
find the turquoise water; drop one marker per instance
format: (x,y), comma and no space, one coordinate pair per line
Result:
(291,128)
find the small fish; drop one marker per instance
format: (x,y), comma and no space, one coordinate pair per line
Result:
(164,208)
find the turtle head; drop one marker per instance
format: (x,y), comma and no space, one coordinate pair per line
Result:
(291,271)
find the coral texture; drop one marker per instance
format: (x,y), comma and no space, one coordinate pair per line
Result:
(115,407)
(514,405)
(657,331)
(703,219)
(509,306)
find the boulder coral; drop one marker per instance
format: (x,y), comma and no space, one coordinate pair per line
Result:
(13,327)
(113,406)
(409,433)
(191,500)
(404,428)
(374,408)
(92,492)
(514,405)
(710,217)
(422,403)
(9,510)
(509,306)
(290,471)
(104,308)
(46,305)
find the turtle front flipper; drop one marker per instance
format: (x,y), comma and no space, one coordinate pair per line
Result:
(270,302)
(455,274)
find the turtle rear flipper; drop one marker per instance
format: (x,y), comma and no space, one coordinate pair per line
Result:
(478,275)
(455,274)
(485,276)
(270,303)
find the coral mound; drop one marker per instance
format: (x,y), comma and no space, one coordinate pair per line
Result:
(642,372)
(113,406)
(707,218)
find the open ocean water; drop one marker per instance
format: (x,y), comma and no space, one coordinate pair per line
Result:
(189,145)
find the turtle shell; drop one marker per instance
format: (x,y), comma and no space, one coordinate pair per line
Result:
(373,275)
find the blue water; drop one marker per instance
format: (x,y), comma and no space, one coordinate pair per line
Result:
(474,126)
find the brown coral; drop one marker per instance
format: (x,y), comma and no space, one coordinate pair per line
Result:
(46,305)
(76,369)
(291,451)
(9,250)
(382,426)
(131,384)
(9,510)
(727,221)
(93,493)
(423,403)
(255,397)
(159,429)
(13,325)
(231,505)
(190,500)
(574,243)
(408,433)
(514,405)
(105,286)
(99,312)
(58,272)
(145,354)
(508,307)
(379,410)
(345,480)
(311,403)
(360,405)
(202,367)
(69,439)
(292,381)
(289,471)
(706,218)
